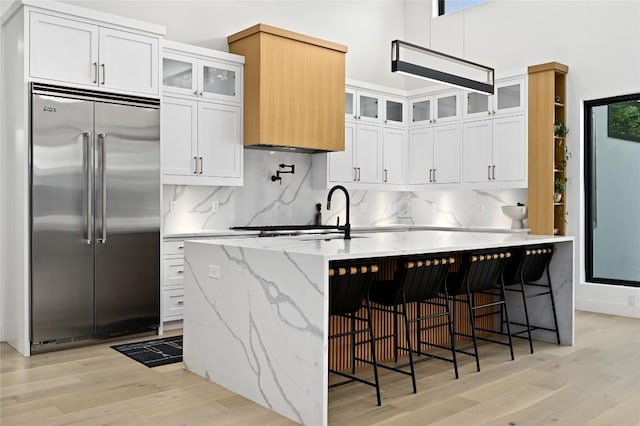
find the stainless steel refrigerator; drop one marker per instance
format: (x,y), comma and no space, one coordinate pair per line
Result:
(95,216)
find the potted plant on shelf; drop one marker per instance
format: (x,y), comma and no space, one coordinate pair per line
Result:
(559,188)
(560,130)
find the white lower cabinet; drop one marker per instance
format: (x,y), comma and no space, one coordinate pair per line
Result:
(494,150)
(202,142)
(434,155)
(172,280)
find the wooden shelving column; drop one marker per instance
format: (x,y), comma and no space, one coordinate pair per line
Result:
(546,151)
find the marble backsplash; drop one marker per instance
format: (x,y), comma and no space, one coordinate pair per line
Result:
(263,202)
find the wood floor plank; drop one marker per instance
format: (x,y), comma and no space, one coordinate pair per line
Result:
(596,382)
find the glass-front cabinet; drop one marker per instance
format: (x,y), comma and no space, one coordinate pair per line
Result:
(509,97)
(395,112)
(435,109)
(362,105)
(200,78)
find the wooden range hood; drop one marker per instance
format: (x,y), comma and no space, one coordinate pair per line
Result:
(293,90)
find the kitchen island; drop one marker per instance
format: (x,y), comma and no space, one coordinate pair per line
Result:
(256,309)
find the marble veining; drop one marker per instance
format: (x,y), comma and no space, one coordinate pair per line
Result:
(262,202)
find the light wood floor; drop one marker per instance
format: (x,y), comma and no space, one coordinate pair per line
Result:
(595,382)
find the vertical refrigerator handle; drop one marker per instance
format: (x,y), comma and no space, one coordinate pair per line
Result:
(103,189)
(88,155)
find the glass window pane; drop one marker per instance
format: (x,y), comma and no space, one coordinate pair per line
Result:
(421,111)
(219,81)
(613,205)
(368,107)
(509,96)
(447,106)
(477,102)
(394,111)
(177,73)
(348,103)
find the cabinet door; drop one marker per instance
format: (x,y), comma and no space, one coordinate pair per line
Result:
(393,155)
(446,107)
(350,109)
(394,110)
(446,154)
(509,149)
(128,62)
(421,111)
(477,105)
(369,153)
(369,106)
(179,136)
(220,81)
(341,163)
(179,74)
(476,151)
(219,139)
(509,96)
(63,50)
(420,155)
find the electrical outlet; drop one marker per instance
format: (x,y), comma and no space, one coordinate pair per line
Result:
(215,206)
(173,206)
(631,300)
(214,271)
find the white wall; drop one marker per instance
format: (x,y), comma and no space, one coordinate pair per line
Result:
(598,40)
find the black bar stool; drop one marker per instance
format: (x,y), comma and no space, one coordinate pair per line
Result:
(419,280)
(527,266)
(481,273)
(348,288)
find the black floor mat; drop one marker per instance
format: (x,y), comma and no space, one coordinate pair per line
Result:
(153,353)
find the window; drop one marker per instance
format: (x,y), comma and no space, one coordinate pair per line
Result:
(612,190)
(449,6)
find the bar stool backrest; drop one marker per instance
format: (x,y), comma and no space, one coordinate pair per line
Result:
(484,269)
(528,264)
(422,279)
(348,286)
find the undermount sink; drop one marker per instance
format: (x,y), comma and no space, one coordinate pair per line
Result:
(328,237)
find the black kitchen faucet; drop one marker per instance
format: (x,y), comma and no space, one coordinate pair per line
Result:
(347,226)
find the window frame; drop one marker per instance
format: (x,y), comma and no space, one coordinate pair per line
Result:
(589,178)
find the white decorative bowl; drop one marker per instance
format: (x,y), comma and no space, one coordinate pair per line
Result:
(516,214)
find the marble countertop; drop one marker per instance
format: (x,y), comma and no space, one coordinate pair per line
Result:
(333,247)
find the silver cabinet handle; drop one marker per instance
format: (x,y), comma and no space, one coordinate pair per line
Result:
(355,174)
(489,172)
(430,176)
(195,165)
(434,175)
(385,175)
(201,164)
(95,72)
(180,271)
(103,184)
(88,151)
(493,172)
(180,302)
(180,247)
(104,73)
(358,174)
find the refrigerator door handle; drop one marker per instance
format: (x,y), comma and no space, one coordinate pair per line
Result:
(103,189)
(88,151)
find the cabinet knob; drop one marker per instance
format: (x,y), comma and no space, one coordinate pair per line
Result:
(201,92)
(195,93)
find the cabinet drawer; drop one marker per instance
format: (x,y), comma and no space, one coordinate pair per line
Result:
(173,247)
(173,271)
(173,304)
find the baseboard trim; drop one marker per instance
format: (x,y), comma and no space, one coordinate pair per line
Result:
(591,305)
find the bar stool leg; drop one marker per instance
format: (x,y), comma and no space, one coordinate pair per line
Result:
(373,352)
(526,312)
(553,306)
(506,314)
(472,318)
(353,344)
(408,335)
(395,333)
(451,333)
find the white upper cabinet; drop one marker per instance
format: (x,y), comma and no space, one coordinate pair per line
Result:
(435,109)
(509,98)
(361,161)
(74,52)
(494,150)
(395,111)
(194,76)
(434,155)
(363,106)
(393,155)
(202,116)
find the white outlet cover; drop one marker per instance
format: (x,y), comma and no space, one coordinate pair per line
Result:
(215,206)
(214,271)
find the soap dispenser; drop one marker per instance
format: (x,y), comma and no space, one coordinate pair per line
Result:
(318,217)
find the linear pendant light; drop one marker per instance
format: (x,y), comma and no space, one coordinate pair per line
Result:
(417,61)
